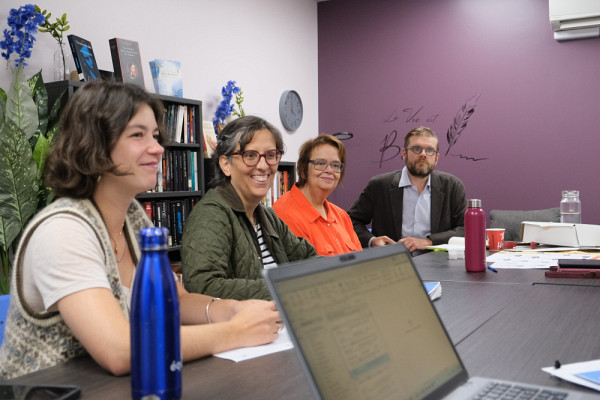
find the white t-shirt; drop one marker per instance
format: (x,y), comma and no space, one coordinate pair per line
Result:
(63,256)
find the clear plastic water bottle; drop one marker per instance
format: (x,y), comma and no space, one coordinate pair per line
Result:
(570,207)
(155,323)
(475,237)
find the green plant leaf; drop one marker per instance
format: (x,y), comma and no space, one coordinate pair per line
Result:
(2,107)
(41,150)
(5,272)
(40,98)
(18,182)
(9,230)
(21,110)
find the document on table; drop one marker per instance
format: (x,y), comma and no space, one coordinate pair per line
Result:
(582,373)
(283,342)
(531,260)
(455,242)
(434,289)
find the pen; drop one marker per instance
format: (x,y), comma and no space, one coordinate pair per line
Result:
(492,269)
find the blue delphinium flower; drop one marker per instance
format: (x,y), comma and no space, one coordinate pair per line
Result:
(19,39)
(225,107)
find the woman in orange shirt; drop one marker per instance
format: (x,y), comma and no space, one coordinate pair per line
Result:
(305,208)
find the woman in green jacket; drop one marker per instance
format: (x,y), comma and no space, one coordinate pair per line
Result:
(230,236)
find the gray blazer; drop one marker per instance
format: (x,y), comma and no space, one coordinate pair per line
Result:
(380,204)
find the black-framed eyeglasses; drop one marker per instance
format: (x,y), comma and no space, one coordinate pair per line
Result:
(321,165)
(252,157)
(430,151)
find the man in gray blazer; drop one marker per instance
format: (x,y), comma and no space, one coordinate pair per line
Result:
(416,206)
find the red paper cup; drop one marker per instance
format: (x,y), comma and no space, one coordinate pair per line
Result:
(495,238)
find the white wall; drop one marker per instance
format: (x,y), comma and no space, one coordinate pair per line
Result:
(267,46)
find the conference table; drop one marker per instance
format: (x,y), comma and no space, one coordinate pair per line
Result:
(505,325)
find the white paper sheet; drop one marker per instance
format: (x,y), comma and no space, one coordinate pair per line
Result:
(568,372)
(530,260)
(283,342)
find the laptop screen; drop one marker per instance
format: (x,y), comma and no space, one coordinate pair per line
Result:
(365,326)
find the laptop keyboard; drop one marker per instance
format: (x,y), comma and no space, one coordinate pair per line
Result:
(505,391)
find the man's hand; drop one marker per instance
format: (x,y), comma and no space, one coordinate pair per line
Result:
(381,241)
(413,244)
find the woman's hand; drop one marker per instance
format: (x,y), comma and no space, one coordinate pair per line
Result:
(240,305)
(257,322)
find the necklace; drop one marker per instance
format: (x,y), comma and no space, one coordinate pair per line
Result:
(117,246)
(110,237)
(115,242)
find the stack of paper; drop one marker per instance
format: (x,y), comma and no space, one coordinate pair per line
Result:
(434,289)
(455,248)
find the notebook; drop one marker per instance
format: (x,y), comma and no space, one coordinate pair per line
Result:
(364,327)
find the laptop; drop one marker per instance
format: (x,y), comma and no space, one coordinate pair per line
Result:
(364,327)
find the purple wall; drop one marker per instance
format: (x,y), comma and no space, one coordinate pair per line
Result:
(387,66)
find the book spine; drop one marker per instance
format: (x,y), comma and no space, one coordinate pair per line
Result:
(195,170)
(159,220)
(176,171)
(164,171)
(185,128)
(76,59)
(169,220)
(178,221)
(192,129)
(148,208)
(116,59)
(171,123)
(188,159)
(168,170)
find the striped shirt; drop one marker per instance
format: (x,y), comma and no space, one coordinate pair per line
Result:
(267,258)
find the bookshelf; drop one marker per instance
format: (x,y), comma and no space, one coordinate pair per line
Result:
(181,180)
(284,180)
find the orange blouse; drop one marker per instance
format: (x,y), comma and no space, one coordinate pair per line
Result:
(330,236)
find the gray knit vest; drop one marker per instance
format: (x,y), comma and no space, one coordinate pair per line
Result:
(34,341)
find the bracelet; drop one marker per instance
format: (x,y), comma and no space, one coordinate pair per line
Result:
(208,306)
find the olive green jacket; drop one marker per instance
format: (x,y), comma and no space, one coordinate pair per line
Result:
(220,253)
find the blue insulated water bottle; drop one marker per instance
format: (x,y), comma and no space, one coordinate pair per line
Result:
(155,342)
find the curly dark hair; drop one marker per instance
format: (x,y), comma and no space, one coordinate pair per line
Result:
(239,131)
(90,125)
(309,146)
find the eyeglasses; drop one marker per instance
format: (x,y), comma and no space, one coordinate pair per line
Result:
(321,165)
(430,151)
(252,157)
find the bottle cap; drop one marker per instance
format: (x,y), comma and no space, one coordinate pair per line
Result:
(570,193)
(474,203)
(155,238)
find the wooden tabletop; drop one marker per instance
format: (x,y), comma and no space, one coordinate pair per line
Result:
(506,325)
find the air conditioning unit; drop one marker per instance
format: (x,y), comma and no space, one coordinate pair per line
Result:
(575,19)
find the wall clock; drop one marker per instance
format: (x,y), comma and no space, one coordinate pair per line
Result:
(290,110)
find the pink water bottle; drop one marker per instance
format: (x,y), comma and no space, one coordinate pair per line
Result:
(475,237)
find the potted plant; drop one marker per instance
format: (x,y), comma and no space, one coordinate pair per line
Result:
(27,130)
(62,58)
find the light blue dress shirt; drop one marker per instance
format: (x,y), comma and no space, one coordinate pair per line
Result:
(416,208)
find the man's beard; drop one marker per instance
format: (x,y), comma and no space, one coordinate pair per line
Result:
(420,172)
